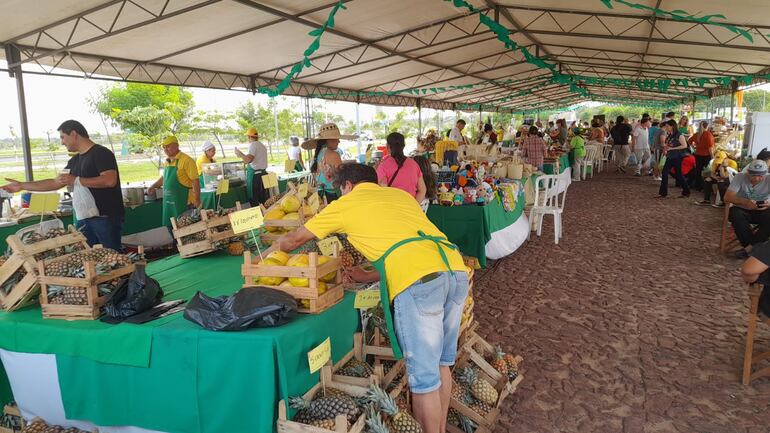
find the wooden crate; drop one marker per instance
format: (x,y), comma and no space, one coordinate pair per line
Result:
(357,353)
(472,353)
(91,281)
(13,411)
(210,227)
(313,272)
(23,258)
(285,425)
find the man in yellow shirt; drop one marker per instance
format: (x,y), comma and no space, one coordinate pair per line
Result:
(421,274)
(181,187)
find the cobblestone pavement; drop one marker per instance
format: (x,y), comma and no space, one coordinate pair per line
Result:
(633,323)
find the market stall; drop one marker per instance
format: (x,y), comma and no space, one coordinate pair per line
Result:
(284,179)
(168,374)
(210,199)
(483,231)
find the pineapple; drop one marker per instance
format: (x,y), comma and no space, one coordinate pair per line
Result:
(479,407)
(513,364)
(356,368)
(459,391)
(327,407)
(235,248)
(328,424)
(499,363)
(398,422)
(480,388)
(374,421)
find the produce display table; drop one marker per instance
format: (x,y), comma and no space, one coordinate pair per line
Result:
(283,179)
(235,194)
(564,163)
(171,375)
(471,228)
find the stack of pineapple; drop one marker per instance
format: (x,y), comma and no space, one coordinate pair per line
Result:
(189,218)
(386,415)
(40,426)
(74,266)
(474,391)
(505,363)
(322,410)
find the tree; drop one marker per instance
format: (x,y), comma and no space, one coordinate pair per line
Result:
(263,118)
(214,123)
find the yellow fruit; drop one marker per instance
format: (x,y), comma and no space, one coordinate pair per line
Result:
(294,216)
(270,281)
(271,261)
(285,284)
(275,214)
(290,203)
(304,303)
(321,287)
(299,282)
(331,275)
(279,256)
(307,210)
(298,260)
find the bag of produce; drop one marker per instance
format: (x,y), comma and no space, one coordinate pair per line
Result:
(135,295)
(83,202)
(250,307)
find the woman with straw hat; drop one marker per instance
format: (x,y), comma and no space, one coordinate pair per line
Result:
(326,158)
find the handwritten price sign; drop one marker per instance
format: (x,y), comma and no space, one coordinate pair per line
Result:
(246,220)
(326,245)
(366,299)
(319,356)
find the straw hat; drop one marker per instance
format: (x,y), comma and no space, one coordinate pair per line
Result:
(328,131)
(252,132)
(171,139)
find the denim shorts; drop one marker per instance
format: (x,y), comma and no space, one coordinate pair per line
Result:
(427,324)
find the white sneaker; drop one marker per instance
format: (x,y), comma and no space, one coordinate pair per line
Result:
(657,178)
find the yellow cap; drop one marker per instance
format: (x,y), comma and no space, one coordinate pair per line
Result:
(252,132)
(171,139)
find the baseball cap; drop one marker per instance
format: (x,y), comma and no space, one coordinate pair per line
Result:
(758,167)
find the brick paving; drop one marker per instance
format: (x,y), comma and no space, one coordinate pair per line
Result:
(633,323)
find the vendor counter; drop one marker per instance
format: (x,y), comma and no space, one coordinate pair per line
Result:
(168,375)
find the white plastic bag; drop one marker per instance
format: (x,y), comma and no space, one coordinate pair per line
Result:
(83,202)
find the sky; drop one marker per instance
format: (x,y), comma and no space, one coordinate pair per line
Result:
(51,100)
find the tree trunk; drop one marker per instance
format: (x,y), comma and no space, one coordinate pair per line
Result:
(221,146)
(106,131)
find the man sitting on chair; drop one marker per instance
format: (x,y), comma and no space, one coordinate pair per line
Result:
(750,195)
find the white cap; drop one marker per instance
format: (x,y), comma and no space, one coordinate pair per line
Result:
(206,146)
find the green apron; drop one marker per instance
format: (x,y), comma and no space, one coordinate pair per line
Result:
(249,182)
(175,194)
(441,243)
(298,166)
(200,180)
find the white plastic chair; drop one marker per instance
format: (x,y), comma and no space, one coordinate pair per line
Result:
(605,157)
(592,152)
(548,201)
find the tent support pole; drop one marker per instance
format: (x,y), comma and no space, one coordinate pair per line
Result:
(733,89)
(419,118)
(12,56)
(358,126)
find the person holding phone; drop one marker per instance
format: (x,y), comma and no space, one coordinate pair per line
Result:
(750,195)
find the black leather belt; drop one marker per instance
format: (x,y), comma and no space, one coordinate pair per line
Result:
(429,277)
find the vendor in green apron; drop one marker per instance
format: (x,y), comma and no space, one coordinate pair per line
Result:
(295,154)
(423,280)
(326,158)
(256,167)
(181,188)
(208,150)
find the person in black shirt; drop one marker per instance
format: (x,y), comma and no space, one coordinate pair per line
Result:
(620,134)
(96,168)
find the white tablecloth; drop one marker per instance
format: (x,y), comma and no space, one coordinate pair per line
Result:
(35,384)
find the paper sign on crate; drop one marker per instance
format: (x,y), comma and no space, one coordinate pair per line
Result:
(269,180)
(366,299)
(319,356)
(223,187)
(288,165)
(326,245)
(246,220)
(44,202)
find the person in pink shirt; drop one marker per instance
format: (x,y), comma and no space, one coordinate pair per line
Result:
(398,171)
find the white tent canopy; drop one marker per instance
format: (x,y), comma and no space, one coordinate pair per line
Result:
(385,46)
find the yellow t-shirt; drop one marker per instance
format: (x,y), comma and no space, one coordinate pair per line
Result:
(203,159)
(376,218)
(186,172)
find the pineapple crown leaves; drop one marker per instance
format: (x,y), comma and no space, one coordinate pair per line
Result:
(466,424)
(499,352)
(374,420)
(298,403)
(378,396)
(468,376)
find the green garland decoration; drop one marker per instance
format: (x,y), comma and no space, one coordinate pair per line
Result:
(305,62)
(680,15)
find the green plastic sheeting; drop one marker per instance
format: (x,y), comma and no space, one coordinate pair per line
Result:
(471,227)
(235,194)
(170,374)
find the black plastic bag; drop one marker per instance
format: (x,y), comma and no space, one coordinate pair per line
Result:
(135,295)
(250,307)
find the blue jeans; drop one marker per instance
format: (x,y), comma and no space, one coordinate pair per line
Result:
(427,324)
(104,230)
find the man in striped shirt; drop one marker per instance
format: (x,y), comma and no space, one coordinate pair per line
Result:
(533,148)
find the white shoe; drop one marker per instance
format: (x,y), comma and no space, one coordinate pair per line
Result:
(657,179)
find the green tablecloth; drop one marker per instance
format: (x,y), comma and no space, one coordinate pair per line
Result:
(142,218)
(235,194)
(283,180)
(172,375)
(564,163)
(471,227)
